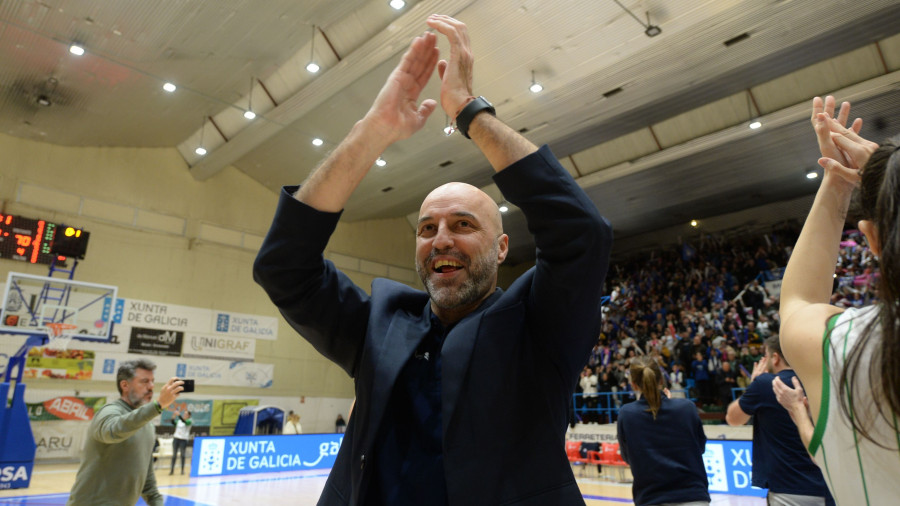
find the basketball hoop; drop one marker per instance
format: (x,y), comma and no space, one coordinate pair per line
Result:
(58,340)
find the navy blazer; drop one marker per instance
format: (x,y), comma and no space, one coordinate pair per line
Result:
(508,368)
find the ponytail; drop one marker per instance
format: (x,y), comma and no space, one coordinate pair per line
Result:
(879,202)
(645,374)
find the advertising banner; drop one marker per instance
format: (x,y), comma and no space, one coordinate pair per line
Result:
(141,313)
(221,347)
(728,467)
(155,341)
(246,325)
(59,440)
(59,364)
(217,456)
(201,412)
(205,372)
(65,408)
(225,415)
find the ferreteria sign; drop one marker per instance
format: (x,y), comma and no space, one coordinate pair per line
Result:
(215,456)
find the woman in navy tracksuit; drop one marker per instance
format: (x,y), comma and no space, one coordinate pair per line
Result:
(662,440)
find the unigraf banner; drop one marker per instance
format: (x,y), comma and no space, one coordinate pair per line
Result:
(155,341)
(205,372)
(140,313)
(222,347)
(217,456)
(65,408)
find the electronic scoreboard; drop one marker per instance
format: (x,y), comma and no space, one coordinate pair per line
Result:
(40,241)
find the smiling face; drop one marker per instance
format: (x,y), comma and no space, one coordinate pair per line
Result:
(138,390)
(459,245)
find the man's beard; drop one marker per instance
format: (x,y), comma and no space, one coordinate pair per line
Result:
(482,273)
(136,400)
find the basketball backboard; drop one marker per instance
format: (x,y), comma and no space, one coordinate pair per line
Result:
(32,302)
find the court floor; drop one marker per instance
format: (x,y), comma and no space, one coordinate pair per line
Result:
(50,486)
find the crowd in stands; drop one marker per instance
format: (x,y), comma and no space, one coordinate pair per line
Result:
(702,313)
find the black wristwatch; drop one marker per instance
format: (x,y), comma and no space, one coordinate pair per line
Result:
(469,112)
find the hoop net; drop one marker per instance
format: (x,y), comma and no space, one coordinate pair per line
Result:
(58,340)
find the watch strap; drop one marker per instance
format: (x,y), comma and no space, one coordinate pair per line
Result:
(472,109)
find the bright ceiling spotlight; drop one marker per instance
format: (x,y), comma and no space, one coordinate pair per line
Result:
(76,50)
(694,223)
(200,149)
(312,66)
(504,208)
(169,87)
(249,114)
(397,4)
(380,162)
(535,86)
(755,124)
(317,142)
(812,174)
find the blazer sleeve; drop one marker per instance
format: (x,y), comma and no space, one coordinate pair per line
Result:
(572,257)
(317,300)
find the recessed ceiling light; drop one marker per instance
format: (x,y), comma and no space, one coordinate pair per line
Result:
(504,208)
(200,150)
(694,223)
(76,50)
(397,4)
(317,142)
(754,125)
(249,114)
(312,67)
(380,162)
(812,174)
(535,88)
(169,87)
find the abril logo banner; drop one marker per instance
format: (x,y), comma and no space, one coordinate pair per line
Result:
(264,454)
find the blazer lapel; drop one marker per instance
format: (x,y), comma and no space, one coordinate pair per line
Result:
(401,339)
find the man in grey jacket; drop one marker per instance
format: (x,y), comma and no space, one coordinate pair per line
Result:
(117,467)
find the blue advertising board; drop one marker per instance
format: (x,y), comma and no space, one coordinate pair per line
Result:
(218,456)
(728,467)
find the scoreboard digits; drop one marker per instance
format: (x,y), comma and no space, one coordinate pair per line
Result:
(29,240)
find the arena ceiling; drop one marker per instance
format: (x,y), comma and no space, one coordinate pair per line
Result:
(655,129)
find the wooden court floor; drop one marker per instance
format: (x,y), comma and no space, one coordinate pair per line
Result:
(50,485)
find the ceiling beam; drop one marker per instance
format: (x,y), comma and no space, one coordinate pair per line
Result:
(357,64)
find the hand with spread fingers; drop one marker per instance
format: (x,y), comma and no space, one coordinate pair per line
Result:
(455,74)
(396,112)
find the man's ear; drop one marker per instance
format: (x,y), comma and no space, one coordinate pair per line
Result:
(871,232)
(502,248)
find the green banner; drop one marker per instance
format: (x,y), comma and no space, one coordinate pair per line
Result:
(65,408)
(225,415)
